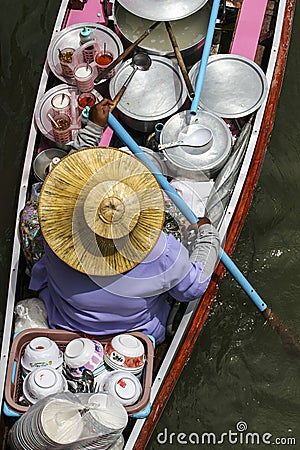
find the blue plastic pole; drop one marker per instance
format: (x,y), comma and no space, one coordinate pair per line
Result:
(205,55)
(184,208)
(136,150)
(242,281)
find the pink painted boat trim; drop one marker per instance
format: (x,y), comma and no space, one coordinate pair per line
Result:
(88,14)
(249,27)
(106,137)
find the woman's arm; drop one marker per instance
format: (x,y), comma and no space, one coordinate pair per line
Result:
(90,135)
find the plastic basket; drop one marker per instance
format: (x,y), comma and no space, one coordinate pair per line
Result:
(14,381)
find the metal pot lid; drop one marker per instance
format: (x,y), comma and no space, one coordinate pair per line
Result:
(43,107)
(69,38)
(151,95)
(234,86)
(189,158)
(188,31)
(154,157)
(162,9)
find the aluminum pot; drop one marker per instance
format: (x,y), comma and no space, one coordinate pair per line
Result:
(151,96)
(195,163)
(190,33)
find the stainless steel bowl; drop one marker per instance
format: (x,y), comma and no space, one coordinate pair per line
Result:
(42,162)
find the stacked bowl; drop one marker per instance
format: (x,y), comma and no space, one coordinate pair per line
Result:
(84,354)
(125,352)
(41,352)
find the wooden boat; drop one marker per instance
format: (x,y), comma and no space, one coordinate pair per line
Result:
(269,39)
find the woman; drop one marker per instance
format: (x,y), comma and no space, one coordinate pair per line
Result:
(133,294)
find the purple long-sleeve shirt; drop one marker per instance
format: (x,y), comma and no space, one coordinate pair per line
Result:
(136,300)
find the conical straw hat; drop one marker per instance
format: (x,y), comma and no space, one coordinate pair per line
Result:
(101,210)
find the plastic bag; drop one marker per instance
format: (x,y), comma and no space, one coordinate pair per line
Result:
(35,191)
(71,421)
(30,313)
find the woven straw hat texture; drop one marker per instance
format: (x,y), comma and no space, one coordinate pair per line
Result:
(101,210)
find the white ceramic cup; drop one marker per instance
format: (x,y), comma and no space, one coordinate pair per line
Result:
(41,382)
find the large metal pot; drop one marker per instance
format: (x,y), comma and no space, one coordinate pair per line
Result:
(196,163)
(151,96)
(190,33)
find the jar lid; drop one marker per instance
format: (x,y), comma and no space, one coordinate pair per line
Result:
(85,112)
(85,32)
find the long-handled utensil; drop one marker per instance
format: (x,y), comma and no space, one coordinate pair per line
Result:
(52,120)
(286,334)
(205,55)
(199,138)
(140,61)
(125,53)
(180,59)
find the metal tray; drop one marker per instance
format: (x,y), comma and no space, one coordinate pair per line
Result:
(234,86)
(69,38)
(44,106)
(153,94)
(162,9)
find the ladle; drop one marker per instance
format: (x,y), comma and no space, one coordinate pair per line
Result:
(140,61)
(198,138)
(126,52)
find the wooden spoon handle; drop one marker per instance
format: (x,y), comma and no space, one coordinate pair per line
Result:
(180,59)
(125,53)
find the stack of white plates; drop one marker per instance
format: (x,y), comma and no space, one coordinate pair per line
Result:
(60,423)
(54,425)
(105,418)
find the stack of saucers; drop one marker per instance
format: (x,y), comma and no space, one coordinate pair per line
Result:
(125,352)
(105,419)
